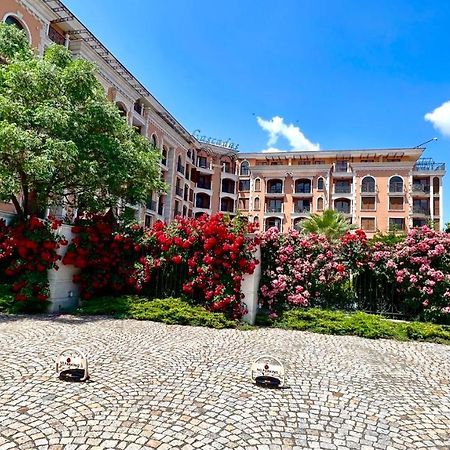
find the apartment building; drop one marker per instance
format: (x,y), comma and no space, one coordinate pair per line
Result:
(375,189)
(201,175)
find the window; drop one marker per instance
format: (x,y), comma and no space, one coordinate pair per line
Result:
(274,205)
(227,204)
(320,184)
(302,206)
(154,141)
(395,203)
(244,204)
(368,203)
(148,221)
(274,187)
(202,162)
(164,156)
(419,222)
(368,184)
(244,185)
(204,182)
(273,222)
(396,224)
(396,184)
(342,187)
(342,206)
(257,185)
(320,204)
(303,187)
(11,20)
(368,223)
(256,221)
(228,186)
(256,205)
(202,201)
(341,166)
(245,168)
(421,206)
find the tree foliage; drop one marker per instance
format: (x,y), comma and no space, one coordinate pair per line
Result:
(61,140)
(330,223)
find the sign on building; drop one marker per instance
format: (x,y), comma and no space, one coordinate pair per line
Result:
(268,371)
(72,365)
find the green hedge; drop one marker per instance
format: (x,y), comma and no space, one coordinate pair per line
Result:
(170,311)
(359,324)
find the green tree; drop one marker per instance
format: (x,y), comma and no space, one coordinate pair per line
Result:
(61,140)
(330,223)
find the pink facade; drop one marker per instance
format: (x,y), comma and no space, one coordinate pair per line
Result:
(375,189)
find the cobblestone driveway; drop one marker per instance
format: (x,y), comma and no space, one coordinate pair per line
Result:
(168,387)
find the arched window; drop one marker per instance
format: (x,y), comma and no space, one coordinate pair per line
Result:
(256,205)
(320,184)
(245,168)
(11,20)
(368,184)
(154,141)
(396,184)
(256,221)
(273,222)
(122,109)
(436,185)
(320,204)
(257,185)
(342,205)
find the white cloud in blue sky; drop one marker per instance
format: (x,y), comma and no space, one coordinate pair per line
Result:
(276,127)
(440,118)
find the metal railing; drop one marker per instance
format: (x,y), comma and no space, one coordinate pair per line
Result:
(342,189)
(302,209)
(425,188)
(427,164)
(421,210)
(275,190)
(274,208)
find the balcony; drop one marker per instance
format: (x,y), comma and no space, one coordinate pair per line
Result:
(274,209)
(418,188)
(420,210)
(56,36)
(301,209)
(342,189)
(342,170)
(203,185)
(428,165)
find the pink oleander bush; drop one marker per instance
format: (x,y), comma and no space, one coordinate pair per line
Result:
(300,271)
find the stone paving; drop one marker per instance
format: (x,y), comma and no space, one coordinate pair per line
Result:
(173,387)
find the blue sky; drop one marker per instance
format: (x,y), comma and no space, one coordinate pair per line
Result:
(346,73)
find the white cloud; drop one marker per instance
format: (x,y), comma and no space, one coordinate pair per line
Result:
(277,128)
(440,118)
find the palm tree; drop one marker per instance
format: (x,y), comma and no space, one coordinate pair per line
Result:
(330,223)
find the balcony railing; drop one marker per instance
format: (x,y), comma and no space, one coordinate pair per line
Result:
(275,190)
(422,188)
(421,210)
(396,188)
(427,164)
(302,209)
(274,208)
(204,164)
(204,185)
(228,189)
(303,190)
(342,189)
(343,210)
(341,167)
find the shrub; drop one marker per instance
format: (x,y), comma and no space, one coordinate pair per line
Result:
(170,311)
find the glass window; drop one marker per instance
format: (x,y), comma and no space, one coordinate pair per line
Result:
(368,203)
(396,224)
(320,184)
(257,204)
(320,204)
(368,184)
(244,185)
(245,168)
(368,223)
(257,185)
(396,184)
(396,203)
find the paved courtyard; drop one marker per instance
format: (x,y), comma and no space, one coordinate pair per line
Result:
(173,387)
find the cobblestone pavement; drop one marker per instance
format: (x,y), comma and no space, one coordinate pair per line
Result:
(173,387)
